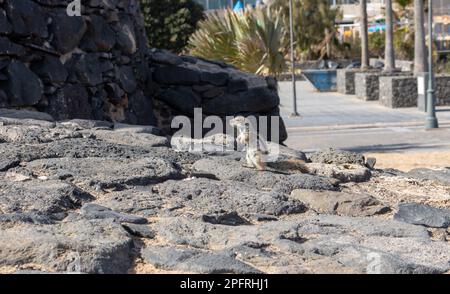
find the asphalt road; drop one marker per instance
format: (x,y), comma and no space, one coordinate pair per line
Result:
(345,122)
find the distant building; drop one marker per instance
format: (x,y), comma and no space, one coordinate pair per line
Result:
(441,7)
(222,4)
(349,26)
(350,9)
(441,11)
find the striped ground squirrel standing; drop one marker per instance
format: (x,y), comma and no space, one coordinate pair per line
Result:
(257,151)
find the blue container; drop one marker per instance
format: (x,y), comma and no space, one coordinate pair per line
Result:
(324,80)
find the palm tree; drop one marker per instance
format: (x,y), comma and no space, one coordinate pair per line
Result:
(420,59)
(389,57)
(403,8)
(314,25)
(364,35)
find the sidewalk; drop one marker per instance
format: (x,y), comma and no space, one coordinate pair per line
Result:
(334,109)
(342,121)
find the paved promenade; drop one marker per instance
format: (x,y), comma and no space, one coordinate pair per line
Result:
(343,121)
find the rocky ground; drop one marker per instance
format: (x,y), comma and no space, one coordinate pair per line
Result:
(97,197)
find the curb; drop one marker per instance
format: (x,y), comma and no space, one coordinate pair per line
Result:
(366,126)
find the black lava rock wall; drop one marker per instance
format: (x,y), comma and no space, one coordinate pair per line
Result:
(91,66)
(99,66)
(182,83)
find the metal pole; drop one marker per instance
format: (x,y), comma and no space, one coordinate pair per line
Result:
(294,88)
(432,122)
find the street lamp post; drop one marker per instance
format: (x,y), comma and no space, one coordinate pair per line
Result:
(294,87)
(432,122)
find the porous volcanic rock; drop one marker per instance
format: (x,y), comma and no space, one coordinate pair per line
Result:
(319,244)
(45,197)
(99,66)
(332,156)
(425,215)
(340,203)
(106,172)
(441,176)
(66,65)
(196,261)
(203,198)
(84,246)
(94,196)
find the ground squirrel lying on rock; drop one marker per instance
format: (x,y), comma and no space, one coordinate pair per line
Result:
(257,152)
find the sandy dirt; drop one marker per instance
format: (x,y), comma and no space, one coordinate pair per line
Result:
(411,160)
(395,190)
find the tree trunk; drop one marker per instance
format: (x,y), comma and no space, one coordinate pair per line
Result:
(389,56)
(328,44)
(364,35)
(420,55)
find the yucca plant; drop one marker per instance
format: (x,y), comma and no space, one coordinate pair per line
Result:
(215,38)
(254,41)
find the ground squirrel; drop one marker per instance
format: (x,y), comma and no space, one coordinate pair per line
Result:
(256,148)
(257,151)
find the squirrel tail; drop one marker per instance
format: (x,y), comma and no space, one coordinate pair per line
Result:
(294,166)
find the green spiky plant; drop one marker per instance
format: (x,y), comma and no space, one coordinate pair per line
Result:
(254,41)
(215,37)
